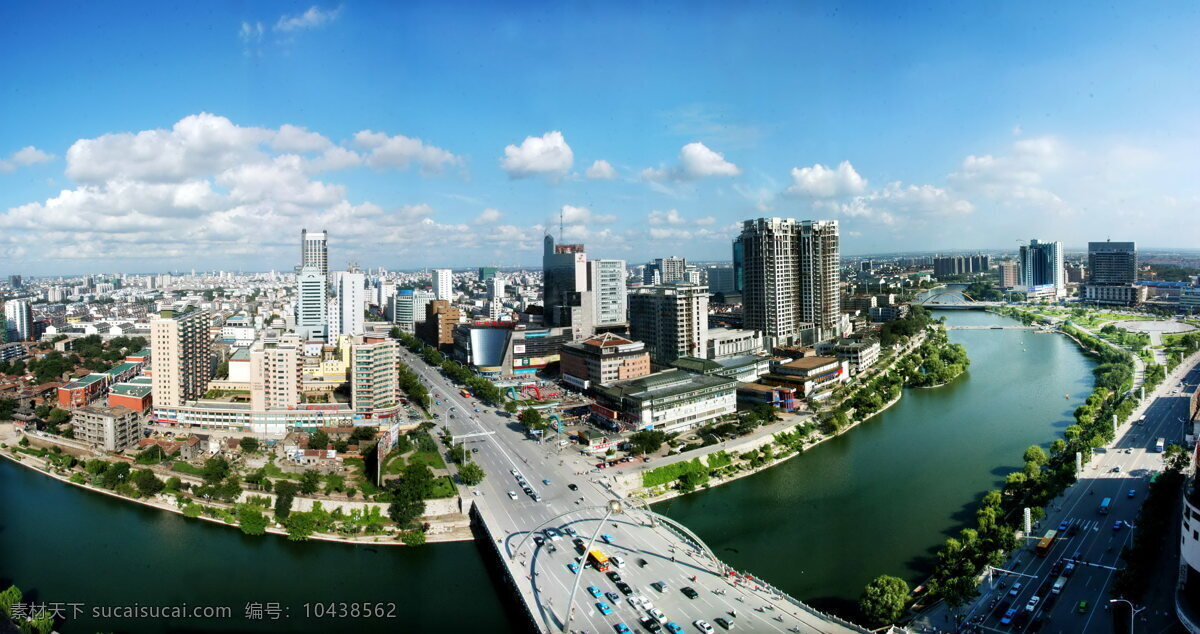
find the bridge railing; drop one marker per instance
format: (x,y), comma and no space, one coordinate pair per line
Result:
(780,595)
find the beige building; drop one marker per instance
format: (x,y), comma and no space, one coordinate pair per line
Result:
(182,350)
(671,319)
(108,428)
(603,359)
(374,378)
(276,373)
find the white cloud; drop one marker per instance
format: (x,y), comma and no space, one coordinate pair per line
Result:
(547,155)
(573,215)
(292,138)
(897,201)
(1017,179)
(27,155)
(251,32)
(312,18)
(669,217)
(819,181)
(400,152)
(334,158)
(488,216)
(696,161)
(601,170)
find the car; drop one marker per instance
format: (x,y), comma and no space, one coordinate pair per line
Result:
(723,622)
(546,481)
(578,542)
(604,608)
(1033,603)
(1072,530)
(650,624)
(657,615)
(539,540)
(512,494)
(474,449)
(1056,568)
(636,601)
(606,538)
(621,628)
(1069,570)
(573,567)
(551,548)
(674,628)
(624,587)
(641,562)
(1132,493)
(1082,607)
(594,591)
(661,586)
(1116,469)
(1117,525)
(553,534)
(1015,590)
(573,486)
(570,531)
(528,491)
(1008,616)
(613,576)
(514,472)
(613,596)
(536,497)
(689,592)
(703,626)
(1064,525)
(617,561)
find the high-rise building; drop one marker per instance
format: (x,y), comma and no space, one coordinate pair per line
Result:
(671,319)
(496,289)
(606,282)
(1009,274)
(350,300)
(311,303)
(438,328)
(486,273)
(564,275)
(314,251)
(409,308)
(18,320)
(374,380)
(1112,274)
(961,264)
(182,351)
(720,279)
(443,284)
(790,279)
(1042,269)
(276,374)
(671,269)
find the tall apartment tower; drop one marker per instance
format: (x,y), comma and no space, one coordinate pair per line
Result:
(438,329)
(606,281)
(564,272)
(671,269)
(671,319)
(182,351)
(1009,274)
(374,380)
(276,371)
(350,294)
(18,320)
(496,289)
(314,250)
(443,284)
(788,272)
(311,303)
(1042,269)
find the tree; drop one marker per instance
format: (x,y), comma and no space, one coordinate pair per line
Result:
(413,537)
(147,483)
(251,520)
(215,470)
(532,419)
(318,440)
(174,483)
(883,600)
(310,481)
(1176,457)
(300,526)
(285,492)
(510,407)
(1035,455)
(403,512)
(58,416)
(249,444)
(647,441)
(334,482)
(364,433)
(115,474)
(471,474)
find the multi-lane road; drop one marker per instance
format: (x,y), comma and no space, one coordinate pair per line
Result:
(1096,538)
(573,496)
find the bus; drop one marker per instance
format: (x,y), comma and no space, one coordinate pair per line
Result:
(1158,446)
(1104,504)
(465,393)
(1046,543)
(598,559)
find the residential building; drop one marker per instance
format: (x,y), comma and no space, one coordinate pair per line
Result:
(311,310)
(1112,274)
(374,378)
(1010,274)
(314,251)
(603,359)
(438,327)
(443,284)
(888,313)
(136,395)
(733,342)
(276,373)
(18,320)
(82,391)
(670,401)
(1042,270)
(496,288)
(672,320)
(859,353)
(606,281)
(182,349)
(107,428)
(790,278)
(347,316)
(961,265)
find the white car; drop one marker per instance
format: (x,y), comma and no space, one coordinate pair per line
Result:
(512,495)
(618,562)
(657,615)
(514,472)
(703,626)
(637,601)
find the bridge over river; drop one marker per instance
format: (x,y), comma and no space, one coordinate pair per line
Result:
(653,556)
(952,299)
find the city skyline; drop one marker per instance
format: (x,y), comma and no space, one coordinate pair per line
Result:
(1056,140)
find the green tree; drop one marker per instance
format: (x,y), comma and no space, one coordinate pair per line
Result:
(147,483)
(249,444)
(413,537)
(532,420)
(334,482)
(647,441)
(300,526)
(251,520)
(1036,455)
(215,470)
(471,474)
(1176,458)
(318,440)
(58,416)
(310,481)
(173,483)
(285,492)
(10,597)
(883,600)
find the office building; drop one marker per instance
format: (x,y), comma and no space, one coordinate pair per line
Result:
(276,373)
(18,320)
(314,251)
(1112,274)
(564,275)
(443,284)
(814,377)
(1041,270)
(724,343)
(720,279)
(350,302)
(789,275)
(670,401)
(606,282)
(603,359)
(1010,274)
(311,308)
(486,273)
(408,308)
(182,349)
(671,319)
(438,327)
(107,428)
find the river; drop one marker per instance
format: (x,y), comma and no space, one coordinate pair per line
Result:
(877,500)
(881,498)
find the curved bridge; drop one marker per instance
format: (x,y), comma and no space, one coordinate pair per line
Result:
(966,302)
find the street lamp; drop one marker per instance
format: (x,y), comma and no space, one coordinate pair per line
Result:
(1132,611)
(614,506)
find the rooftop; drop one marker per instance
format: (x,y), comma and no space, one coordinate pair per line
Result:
(137,390)
(810,363)
(663,384)
(84,381)
(121,368)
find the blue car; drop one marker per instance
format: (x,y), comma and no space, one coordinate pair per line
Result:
(674,628)
(1064,525)
(595,592)
(546,481)
(1132,493)
(621,628)
(604,608)
(573,567)
(1008,616)
(1117,525)
(607,538)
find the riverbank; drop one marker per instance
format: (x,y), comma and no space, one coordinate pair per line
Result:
(441,530)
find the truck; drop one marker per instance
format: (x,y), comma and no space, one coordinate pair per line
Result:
(1104,504)
(1159,445)
(1058,585)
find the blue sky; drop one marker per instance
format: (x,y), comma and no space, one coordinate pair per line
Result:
(150,137)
